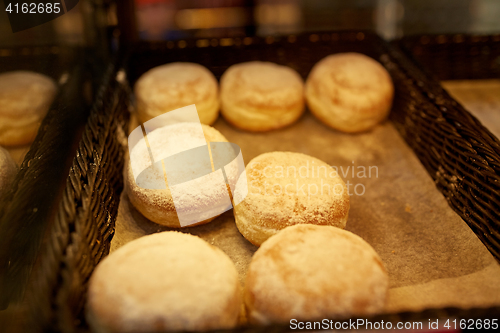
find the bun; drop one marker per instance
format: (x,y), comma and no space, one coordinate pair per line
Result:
(158,204)
(349,92)
(167,281)
(308,272)
(286,189)
(261,96)
(25,99)
(175,85)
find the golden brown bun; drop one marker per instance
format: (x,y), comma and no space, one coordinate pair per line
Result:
(158,205)
(286,189)
(261,96)
(349,92)
(25,99)
(168,281)
(172,86)
(8,170)
(308,272)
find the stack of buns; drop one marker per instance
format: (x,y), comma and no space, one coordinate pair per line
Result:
(307,266)
(349,92)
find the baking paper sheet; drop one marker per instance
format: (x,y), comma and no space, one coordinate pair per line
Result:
(433,258)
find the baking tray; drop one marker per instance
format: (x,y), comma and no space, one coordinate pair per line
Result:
(88,209)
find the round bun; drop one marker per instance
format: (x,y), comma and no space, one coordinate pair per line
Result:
(309,272)
(175,85)
(168,281)
(349,92)
(158,205)
(261,96)
(25,99)
(8,170)
(286,189)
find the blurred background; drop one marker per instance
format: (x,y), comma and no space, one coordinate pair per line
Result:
(176,19)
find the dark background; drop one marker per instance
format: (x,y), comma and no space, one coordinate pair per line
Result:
(176,19)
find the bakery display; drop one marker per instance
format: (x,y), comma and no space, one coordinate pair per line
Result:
(261,96)
(395,209)
(158,204)
(25,99)
(285,189)
(168,281)
(175,85)
(8,170)
(349,92)
(313,272)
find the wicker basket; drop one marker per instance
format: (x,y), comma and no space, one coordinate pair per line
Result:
(455,57)
(59,218)
(469,178)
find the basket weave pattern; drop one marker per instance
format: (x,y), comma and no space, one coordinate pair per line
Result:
(84,224)
(460,154)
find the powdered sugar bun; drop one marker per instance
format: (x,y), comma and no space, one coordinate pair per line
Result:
(8,170)
(349,92)
(261,96)
(308,272)
(286,189)
(25,99)
(168,281)
(175,85)
(158,205)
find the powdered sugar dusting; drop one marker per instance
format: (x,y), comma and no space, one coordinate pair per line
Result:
(175,85)
(155,204)
(288,188)
(310,271)
(262,83)
(170,278)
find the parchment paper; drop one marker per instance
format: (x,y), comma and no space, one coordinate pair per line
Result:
(432,256)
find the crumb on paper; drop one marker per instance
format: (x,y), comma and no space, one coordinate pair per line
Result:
(393,252)
(407,208)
